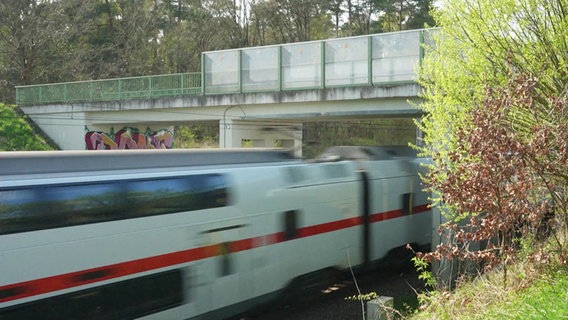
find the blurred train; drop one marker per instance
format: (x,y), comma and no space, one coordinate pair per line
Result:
(203,234)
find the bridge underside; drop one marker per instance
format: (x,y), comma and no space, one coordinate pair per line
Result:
(254,119)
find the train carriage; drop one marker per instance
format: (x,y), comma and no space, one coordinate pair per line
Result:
(181,234)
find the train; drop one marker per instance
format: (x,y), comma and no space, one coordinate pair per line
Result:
(195,234)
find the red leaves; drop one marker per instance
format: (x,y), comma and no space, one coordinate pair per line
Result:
(505,170)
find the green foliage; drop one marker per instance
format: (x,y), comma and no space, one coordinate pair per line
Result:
(535,294)
(470,54)
(403,15)
(16,134)
(546,299)
(494,89)
(363,297)
(424,273)
(479,46)
(200,135)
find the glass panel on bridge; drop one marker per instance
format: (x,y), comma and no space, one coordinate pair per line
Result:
(260,69)
(395,56)
(429,39)
(346,61)
(301,65)
(221,72)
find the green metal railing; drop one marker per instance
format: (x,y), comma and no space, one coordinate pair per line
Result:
(146,87)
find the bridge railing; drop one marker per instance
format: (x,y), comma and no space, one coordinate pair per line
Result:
(377,59)
(145,87)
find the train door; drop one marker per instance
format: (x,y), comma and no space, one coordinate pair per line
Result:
(229,265)
(365,217)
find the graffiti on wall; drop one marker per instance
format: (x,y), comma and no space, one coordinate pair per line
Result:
(129,138)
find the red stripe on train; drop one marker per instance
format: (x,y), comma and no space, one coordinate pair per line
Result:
(83,277)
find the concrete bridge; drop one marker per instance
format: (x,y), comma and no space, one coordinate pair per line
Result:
(246,90)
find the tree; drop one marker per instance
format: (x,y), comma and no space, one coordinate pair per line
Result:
(334,7)
(232,18)
(177,22)
(495,94)
(420,15)
(94,31)
(358,19)
(31,45)
(137,31)
(285,21)
(396,15)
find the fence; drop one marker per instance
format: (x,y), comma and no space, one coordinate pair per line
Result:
(146,87)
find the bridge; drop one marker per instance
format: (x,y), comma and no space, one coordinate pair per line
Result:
(246,90)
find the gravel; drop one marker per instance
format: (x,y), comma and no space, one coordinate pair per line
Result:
(331,305)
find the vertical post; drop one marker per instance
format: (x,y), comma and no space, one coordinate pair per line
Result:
(369,60)
(443,270)
(421,41)
(419,135)
(421,48)
(203,73)
(279,68)
(380,308)
(240,70)
(322,45)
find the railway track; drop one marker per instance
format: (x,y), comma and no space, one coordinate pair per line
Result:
(332,303)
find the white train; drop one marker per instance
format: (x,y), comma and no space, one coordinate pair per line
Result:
(181,234)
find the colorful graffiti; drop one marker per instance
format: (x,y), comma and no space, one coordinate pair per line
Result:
(129,138)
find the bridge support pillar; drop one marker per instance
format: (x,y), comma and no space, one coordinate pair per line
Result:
(244,133)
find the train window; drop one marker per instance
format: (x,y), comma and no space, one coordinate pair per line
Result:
(52,206)
(19,207)
(122,300)
(290,224)
(151,197)
(407,203)
(87,203)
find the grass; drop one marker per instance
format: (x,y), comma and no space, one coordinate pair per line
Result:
(546,298)
(530,292)
(16,134)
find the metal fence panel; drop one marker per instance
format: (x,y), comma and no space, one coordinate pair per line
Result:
(260,69)
(221,72)
(111,89)
(302,66)
(395,56)
(347,61)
